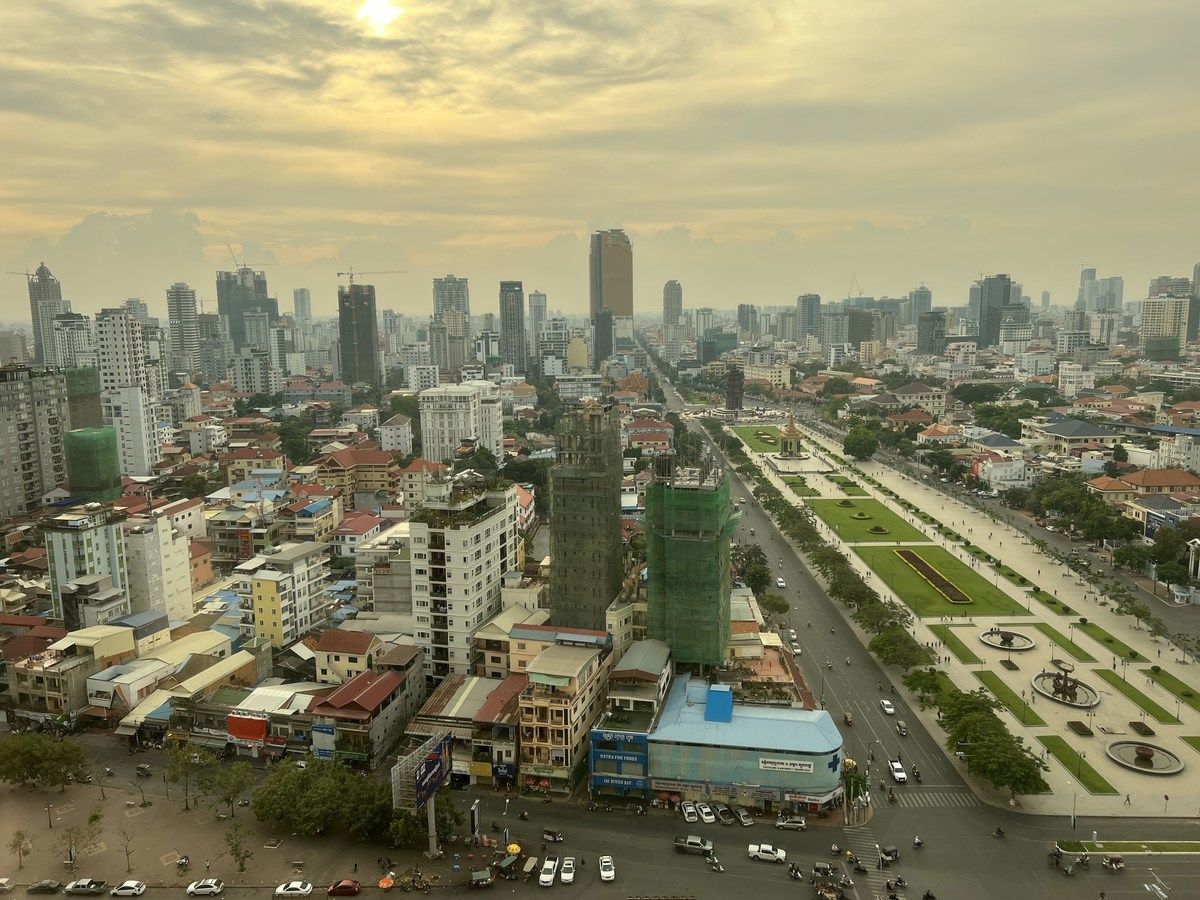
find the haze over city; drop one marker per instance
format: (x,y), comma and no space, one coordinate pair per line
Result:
(753,151)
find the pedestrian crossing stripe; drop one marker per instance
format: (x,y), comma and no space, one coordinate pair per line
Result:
(865,845)
(936,799)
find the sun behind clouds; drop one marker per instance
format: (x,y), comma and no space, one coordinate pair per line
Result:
(379,14)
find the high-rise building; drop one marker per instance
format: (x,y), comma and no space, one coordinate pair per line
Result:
(1170,286)
(13,348)
(672,302)
(239,292)
(121,352)
(254,372)
(257,326)
(451,293)
(83,543)
(93,464)
(747,317)
(995,292)
(33,419)
(735,387)
(808,308)
(512,324)
(537,315)
(302,305)
(1045,299)
(216,347)
(136,421)
(285,587)
(1016,332)
(357,334)
(83,397)
(931,334)
(45,302)
(585,519)
(158,567)
(73,343)
(920,302)
(183,323)
(1110,293)
(452,414)
(610,267)
(602,337)
(1163,332)
(688,526)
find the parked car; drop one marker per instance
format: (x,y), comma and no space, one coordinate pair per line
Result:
(742,816)
(608,871)
(45,886)
(898,773)
(566,872)
(6,885)
(792,823)
(207,887)
(887,707)
(706,813)
(796,651)
(347,887)
(86,886)
(549,870)
(689,811)
(129,889)
(294,889)
(724,816)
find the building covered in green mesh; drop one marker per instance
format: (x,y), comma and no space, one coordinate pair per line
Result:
(83,397)
(93,464)
(688,524)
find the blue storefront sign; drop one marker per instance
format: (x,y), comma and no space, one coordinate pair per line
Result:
(623,781)
(502,770)
(636,758)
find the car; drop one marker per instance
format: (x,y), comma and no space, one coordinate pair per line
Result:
(742,816)
(689,811)
(706,814)
(86,886)
(566,872)
(45,886)
(301,764)
(206,887)
(766,853)
(791,823)
(294,889)
(780,583)
(347,887)
(741,501)
(129,889)
(898,773)
(724,816)
(792,635)
(6,885)
(608,871)
(549,870)
(887,707)
(796,651)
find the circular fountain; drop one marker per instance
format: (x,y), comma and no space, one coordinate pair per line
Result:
(1062,687)
(1007,639)
(1149,759)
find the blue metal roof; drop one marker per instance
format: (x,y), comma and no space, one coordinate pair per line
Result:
(316,507)
(750,727)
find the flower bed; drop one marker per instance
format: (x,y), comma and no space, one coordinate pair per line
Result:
(943,584)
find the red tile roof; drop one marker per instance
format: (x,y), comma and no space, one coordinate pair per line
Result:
(23,646)
(501,696)
(1162,478)
(360,697)
(335,640)
(419,465)
(8,620)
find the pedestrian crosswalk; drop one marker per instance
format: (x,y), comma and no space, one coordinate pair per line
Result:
(935,799)
(861,839)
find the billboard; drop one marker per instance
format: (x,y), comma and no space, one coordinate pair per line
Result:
(434,769)
(417,775)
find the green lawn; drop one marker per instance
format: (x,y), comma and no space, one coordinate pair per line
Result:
(1193,742)
(1129,846)
(924,599)
(1047,600)
(841,520)
(1152,709)
(947,636)
(849,488)
(750,438)
(1058,638)
(1113,645)
(1184,692)
(1021,710)
(1091,780)
(799,486)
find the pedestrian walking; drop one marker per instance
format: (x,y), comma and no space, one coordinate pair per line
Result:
(207,864)
(1127,801)
(356,867)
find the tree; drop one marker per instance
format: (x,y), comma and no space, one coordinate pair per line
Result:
(835,386)
(187,765)
(1120,454)
(126,833)
(17,844)
(1134,557)
(74,838)
(227,784)
(1172,573)
(860,443)
(750,562)
(774,605)
(60,762)
(235,842)
(896,647)
(972,394)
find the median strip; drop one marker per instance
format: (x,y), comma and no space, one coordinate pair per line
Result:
(1152,709)
(1089,779)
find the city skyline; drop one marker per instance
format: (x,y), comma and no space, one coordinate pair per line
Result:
(887,170)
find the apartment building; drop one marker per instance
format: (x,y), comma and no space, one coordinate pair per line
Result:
(366,478)
(33,421)
(158,566)
(361,720)
(342,655)
(451,414)
(83,541)
(286,589)
(52,685)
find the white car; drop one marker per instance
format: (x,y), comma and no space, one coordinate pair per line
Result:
(566,874)
(707,816)
(796,651)
(898,773)
(689,811)
(294,889)
(608,871)
(208,887)
(129,889)
(6,885)
(780,583)
(549,870)
(886,706)
(766,853)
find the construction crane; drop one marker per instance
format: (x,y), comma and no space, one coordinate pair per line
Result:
(351,273)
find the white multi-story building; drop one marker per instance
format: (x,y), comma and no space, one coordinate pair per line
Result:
(1033,363)
(255,373)
(74,341)
(578,387)
(158,567)
(283,591)
(1073,378)
(80,542)
(136,421)
(1164,317)
(184,323)
(133,377)
(453,413)
(421,378)
(462,542)
(396,435)
(33,422)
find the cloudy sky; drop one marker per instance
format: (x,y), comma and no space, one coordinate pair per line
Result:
(753,150)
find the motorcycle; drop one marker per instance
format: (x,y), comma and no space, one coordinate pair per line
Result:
(794,873)
(1083,862)
(918,843)
(1069,871)
(182,863)
(640,810)
(900,882)
(999,832)
(524,817)
(928,895)
(847,660)
(108,771)
(860,869)
(917,775)
(593,806)
(835,851)
(714,863)
(496,826)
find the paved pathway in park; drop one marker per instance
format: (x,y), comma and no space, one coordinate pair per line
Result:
(1123,696)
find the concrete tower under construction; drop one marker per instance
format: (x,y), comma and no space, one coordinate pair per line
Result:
(585,519)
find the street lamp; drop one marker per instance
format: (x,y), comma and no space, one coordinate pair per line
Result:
(49,820)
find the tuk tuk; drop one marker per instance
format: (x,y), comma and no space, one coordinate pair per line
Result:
(507,868)
(481,878)
(530,867)
(890,853)
(1114,862)
(550,836)
(822,871)
(901,727)
(143,770)
(848,718)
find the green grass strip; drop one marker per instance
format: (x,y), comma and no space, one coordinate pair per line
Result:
(1152,709)
(1021,710)
(1175,686)
(799,487)
(755,443)
(1113,645)
(1047,600)
(1193,742)
(1130,847)
(1091,780)
(947,636)
(1060,639)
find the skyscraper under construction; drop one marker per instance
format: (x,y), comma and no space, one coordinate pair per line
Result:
(688,524)
(586,564)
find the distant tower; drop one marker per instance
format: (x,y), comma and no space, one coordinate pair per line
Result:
(184,323)
(808,307)
(610,268)
(921,302)
(451,292)
(735,386)
(512,323)
(672,302)
(357,334)
(302,305)
(537,315)
(45,302)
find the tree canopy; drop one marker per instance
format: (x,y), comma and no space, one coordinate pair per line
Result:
(860,443)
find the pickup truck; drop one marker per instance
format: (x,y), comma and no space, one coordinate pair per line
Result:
(766,853)
(693,844)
